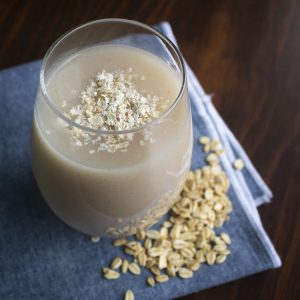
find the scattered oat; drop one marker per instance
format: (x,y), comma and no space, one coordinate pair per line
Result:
(148,243)
(225,237)
(120,242)
(124,266)
(151,281)
(142,259)
(185,273)
(162,261)
(95,239)
(194,266)
(140,234)
(214,145)
(211,257)
(238,164)
(155,252)
(220,248)
(116,263)
(153,234)
(155,270)
(162,278)
(111,274)
(204,140)
(212,159)
(129,295)
(220,259)
(171,270)
(134,269)
(206,148)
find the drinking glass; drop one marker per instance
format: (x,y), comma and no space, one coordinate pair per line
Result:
(111,192)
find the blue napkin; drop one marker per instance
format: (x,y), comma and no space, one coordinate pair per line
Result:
(42,258)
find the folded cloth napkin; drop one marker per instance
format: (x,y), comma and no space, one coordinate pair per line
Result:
(42,258)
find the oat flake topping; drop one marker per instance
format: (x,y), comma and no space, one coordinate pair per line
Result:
(111,102)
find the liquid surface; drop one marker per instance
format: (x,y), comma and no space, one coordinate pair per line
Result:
(111,191)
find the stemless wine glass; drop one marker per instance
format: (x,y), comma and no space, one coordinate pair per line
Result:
(92,182)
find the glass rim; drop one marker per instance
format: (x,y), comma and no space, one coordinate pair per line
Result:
(58,112)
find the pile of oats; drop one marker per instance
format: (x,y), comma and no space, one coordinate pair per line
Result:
(112,102)
(188,238)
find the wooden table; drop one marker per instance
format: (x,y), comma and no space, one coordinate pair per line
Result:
(245,52)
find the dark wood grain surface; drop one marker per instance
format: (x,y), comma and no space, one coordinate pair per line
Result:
(245,52)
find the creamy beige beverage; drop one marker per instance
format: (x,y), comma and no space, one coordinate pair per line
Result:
(96,188)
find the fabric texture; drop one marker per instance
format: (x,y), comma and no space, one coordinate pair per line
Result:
(42,258)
